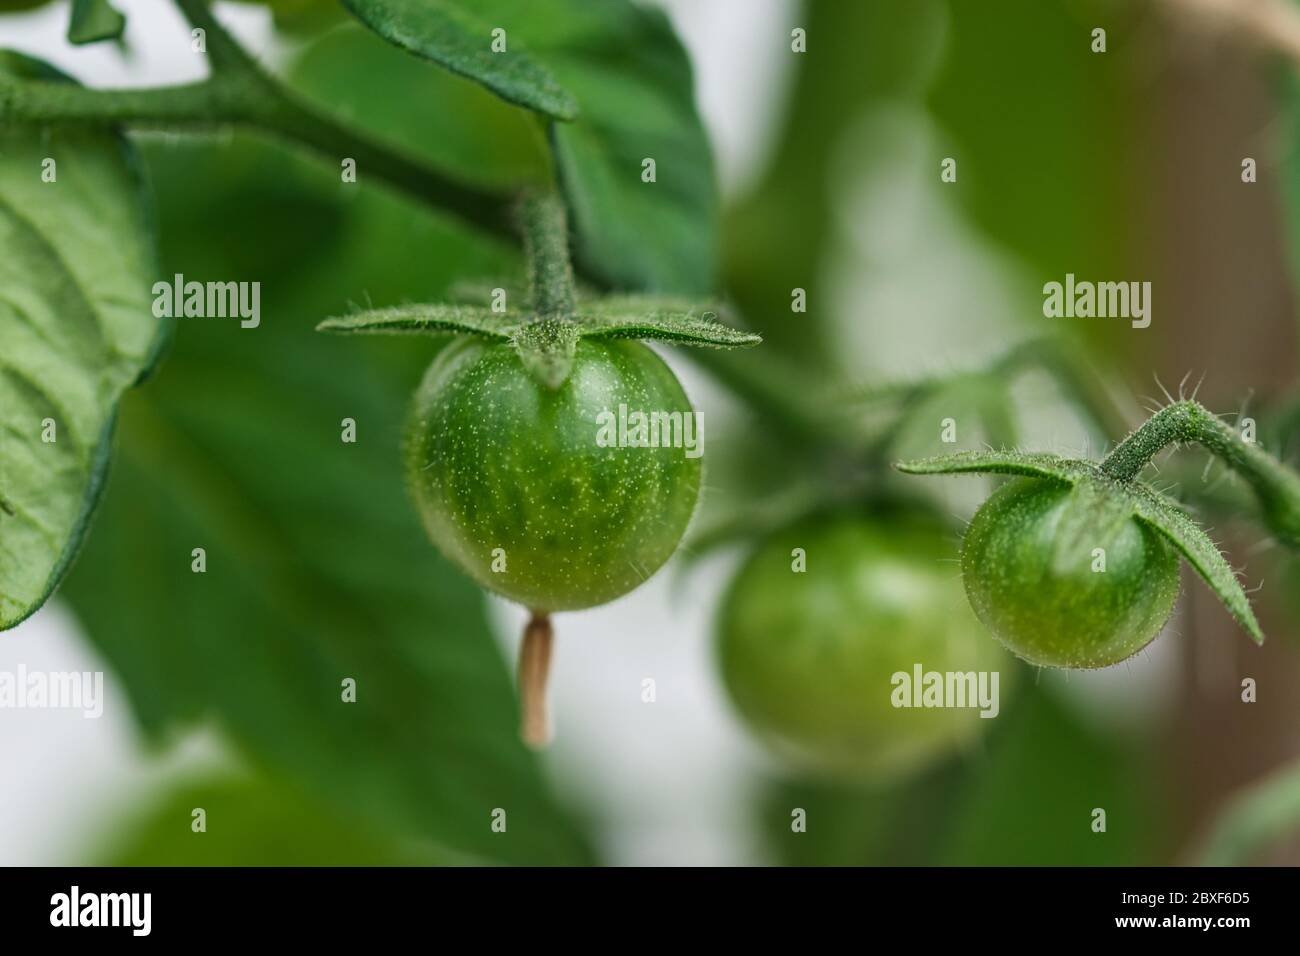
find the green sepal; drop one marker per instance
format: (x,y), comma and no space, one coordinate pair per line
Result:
(620,318)
(546,348)
(680,321)
(1035,465)
(1157,511)
(1098,510)
(427,319)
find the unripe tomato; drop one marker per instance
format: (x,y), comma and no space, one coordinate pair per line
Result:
(1064,580)
(810,658)
(514,487)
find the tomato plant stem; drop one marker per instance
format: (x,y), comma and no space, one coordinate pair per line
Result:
(546,245)
(1276,485)
(241,93)
(1173,423)
(534,669)
(1185,421)
(222,49)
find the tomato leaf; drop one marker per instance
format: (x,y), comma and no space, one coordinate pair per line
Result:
(633,108)
(430,319)
(633,82)
(460,37)
(94,20)
(1045,767)
(670,320)
(1201,553)
(78,331)
(1035,465)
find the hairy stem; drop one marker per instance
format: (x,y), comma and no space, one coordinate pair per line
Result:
(534,669)
(194,106)
(1277,486)
(546,244)
(240,93)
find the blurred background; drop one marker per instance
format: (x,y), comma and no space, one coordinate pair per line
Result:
(1116,165)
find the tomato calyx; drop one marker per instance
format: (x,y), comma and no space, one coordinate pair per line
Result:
(546,347)
(545,330)
(1125,495)
(556,315)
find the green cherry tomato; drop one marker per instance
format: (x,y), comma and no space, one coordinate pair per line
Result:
(1065,579)
(812,659)
(516,485)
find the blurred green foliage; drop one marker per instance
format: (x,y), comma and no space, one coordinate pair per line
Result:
(778,236)
(1039,120)
(250,821)
(1263,816)
(1039,124)
(1023,796)
(302,17)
